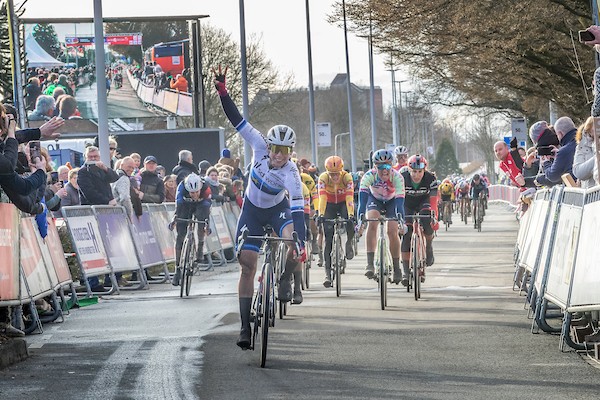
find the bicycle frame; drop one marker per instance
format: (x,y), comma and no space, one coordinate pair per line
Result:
(264,304)
(188,254)
(383,258)
(417,254)
(338,256)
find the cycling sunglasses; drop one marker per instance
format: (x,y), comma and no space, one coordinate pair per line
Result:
(383,166)
(276,148)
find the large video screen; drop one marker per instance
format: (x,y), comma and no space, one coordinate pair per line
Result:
(147,76)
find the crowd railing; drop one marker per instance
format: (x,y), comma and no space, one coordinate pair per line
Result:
(105,242)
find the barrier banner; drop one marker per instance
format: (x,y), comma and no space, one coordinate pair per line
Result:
(546,241)
(212,241)
(114,231)
(564,247)
(586,277)
(537,219)
(85,234)
(57,256)
(236,210)
(32,262)
(221,228)
(9,252)
(160,220)
(145,242)
(231,221)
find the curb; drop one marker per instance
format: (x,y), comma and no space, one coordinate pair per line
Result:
(13,351)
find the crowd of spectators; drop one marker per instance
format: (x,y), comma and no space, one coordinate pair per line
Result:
(153,75)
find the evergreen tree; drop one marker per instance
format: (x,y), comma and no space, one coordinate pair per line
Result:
(46,37)
(6,78)
(445,160)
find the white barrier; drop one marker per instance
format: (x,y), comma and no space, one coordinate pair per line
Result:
(537,219)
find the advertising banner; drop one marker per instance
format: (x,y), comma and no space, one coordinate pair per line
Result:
(88,244)
(160,221)
(221,227)
(54,256)
(9,252)
(114,231)
(32,262)
(145,241)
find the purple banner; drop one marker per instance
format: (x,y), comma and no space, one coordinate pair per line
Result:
(145,241)
(117,241)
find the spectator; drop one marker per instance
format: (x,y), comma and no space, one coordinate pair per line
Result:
(563,159)
(67,108)
(161,171)
(238,187)
(185,166)
(179,83)
(72,197)
(58,92)
(121,189)
(32,90)
(44,108)
(170,183)
(63,174)
(584,160)
(531,164)
(542,134)
(114,155)
(94,181)
(203,166)
(507,163)
(137,162)
(226,159)
(152,188)
(212,179)
(225,180)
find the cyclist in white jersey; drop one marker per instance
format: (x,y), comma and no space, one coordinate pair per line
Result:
(265,203)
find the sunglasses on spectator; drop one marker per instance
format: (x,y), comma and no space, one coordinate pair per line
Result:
(276,148)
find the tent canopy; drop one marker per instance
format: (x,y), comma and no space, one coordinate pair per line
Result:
(37,57)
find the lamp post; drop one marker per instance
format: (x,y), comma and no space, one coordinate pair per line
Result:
(349,90)
(311,92)
(335,139)
(372,90)
(398,140)
(245,112)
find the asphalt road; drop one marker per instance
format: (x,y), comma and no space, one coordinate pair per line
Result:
(467,338)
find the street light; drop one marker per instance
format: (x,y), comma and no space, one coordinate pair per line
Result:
(398,140)
(335,138)
(349,90)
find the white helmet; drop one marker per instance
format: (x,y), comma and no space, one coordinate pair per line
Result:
(193,183)
(400,150)
(281,135)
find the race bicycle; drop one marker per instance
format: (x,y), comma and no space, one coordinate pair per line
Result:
(383,259)
(418,256)
(478,211)
(264,304)
(188,255)
(465,209)
(338,256)
(447,213)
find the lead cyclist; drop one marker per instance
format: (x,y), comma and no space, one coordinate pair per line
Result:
(271,175)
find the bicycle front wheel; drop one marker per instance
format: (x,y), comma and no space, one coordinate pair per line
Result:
(184,260)
(189,273)
(265,312)
(338,265)
(382,274)
(414,264)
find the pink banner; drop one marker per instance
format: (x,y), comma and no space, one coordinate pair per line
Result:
(9,252)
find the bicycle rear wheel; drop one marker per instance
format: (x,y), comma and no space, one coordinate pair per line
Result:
(306,267)
(265,312)
(479,215)
(280,259)
(382,274)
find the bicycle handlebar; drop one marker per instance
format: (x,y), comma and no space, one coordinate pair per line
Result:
(195,221)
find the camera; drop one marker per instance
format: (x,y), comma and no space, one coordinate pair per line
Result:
(586,36)
(545,151)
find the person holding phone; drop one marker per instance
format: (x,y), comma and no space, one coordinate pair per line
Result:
(554,166)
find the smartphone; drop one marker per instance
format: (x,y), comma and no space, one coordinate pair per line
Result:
(91,162)
(54,177)
(34,150)
(586,36)
(545,151)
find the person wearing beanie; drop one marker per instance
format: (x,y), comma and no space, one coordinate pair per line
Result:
(203,166)
(225,153)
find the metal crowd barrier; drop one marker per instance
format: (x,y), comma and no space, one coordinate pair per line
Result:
(556,249)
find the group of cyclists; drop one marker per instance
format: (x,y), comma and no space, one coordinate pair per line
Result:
(291,197)
(460,194)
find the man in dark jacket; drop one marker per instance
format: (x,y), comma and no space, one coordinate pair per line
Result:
(94,180)
(185,166)
(563,159)
(152,188)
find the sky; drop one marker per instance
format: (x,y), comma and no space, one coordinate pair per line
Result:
(280,23)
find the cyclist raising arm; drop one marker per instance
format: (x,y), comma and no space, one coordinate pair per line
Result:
(336,197)
(382,192)
(421,194)
(265,203)
(193,198)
